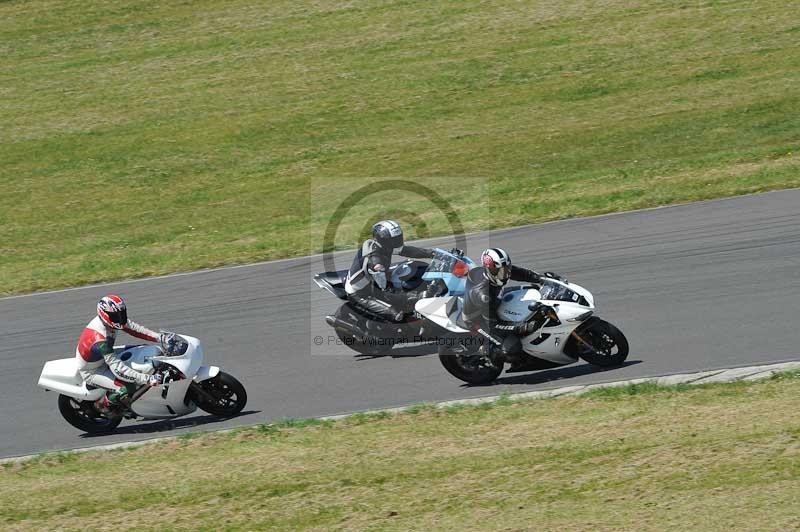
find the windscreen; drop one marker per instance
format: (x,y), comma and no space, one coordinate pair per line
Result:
(442,262)
(174,345)
(558,292)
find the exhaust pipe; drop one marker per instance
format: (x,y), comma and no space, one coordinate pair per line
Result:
(336,323)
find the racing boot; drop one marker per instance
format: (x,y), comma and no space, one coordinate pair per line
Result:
(107,407)
(512,352)
(115,401)
(492,352)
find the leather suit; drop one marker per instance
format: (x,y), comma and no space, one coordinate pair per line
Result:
(368,284)
(99,364)
(481,300)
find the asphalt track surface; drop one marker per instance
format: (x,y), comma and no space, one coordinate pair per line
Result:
(700,286)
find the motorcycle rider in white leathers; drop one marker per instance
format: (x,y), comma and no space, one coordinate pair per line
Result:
(100,365)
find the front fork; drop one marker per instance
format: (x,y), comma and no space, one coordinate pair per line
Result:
(579,339)
(200,393)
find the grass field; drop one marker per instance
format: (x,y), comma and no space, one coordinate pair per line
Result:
(718,457)
(144,137)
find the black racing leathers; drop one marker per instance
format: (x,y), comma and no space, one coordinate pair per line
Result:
(481,301)
(368,283)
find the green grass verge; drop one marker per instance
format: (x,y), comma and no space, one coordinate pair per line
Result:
(147,137)
(713,457)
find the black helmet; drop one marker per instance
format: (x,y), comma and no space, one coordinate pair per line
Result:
(388,234)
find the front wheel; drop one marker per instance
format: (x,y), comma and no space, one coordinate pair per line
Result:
(469,367)
(84,416)
(607,347)
(224,395)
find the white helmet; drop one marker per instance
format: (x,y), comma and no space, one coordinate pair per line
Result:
(496,266)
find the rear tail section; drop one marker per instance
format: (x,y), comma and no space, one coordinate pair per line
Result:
(333,282)
(62,376)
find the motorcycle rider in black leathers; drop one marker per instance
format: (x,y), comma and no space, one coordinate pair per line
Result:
(484,285)
(368,285)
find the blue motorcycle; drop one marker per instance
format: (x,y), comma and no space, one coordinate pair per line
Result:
(370,334)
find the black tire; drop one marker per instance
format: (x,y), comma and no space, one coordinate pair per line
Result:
(84,416)
(230,395)
(611,346)
(371,348)
(470,367)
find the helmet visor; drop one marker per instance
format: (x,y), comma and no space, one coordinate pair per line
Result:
(119,317)
(503,274)
(394,242)
(498,275)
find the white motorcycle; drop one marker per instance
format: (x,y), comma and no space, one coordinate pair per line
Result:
(187,385)
(569,332)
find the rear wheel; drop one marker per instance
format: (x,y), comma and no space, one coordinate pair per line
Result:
(469,367)
(609,347)
(84,416)
(227,395)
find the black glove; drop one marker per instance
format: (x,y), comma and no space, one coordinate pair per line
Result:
(557,277)
(436,288)
(457,252)
(540,311)
(411,301)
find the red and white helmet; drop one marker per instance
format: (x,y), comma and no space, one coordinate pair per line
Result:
(496,266)
(112,311)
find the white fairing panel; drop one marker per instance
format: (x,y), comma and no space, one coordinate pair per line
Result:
(552,347)
(62,376)
(442,311)
(206,372)
(514,305)
(154,405)
(584,292)
(140,357)
(168,400)
(547,343)
(189,362)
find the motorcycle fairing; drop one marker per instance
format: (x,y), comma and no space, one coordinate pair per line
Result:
(515,303)
(443,311)
(168,400)
(333,282)
(62,376)
(164,402)
(206,372)
(441,267)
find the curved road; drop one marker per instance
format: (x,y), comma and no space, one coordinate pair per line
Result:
(698,286)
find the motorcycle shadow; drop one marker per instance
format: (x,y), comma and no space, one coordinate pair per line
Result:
(167,425)
(422,350)
(556,374)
